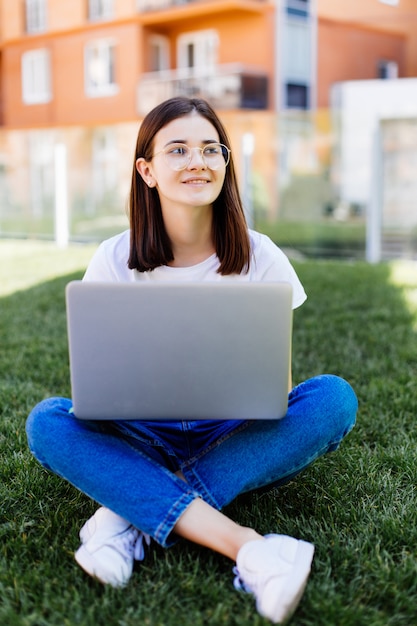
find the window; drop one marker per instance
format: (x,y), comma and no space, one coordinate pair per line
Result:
(159,53)
(36,76)
(297,96)
(100,9)
(297,64)
(298,8)
(198,49)
(35,13)
(99,68)
(297,51)
(387,69)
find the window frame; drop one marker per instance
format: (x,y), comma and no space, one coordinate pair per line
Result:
(199,40)
(297,71)
(99,10)
(298,8)
(35,16)
(303,88)
(161,43)
(35,73)
(105,48)
(388,69)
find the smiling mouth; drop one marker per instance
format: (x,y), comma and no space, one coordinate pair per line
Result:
(196,181)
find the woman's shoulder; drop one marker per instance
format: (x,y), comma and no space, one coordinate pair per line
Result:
(116,248)
(110,259)
(121,241)
(270,263)
(263,246)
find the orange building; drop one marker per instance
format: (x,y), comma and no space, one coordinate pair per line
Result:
(83,72)
(83,62)
(90,61)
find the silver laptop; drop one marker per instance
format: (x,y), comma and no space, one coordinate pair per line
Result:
(179,351)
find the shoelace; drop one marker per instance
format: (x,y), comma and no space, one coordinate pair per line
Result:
(238,583)
(131,543)
(139,549)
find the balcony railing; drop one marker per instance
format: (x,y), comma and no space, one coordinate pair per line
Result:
(144,6)
(156,5)
(225,87)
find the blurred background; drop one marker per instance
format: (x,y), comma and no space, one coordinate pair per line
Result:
(319,98)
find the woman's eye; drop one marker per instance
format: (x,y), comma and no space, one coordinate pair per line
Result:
(180,150)
(212,150)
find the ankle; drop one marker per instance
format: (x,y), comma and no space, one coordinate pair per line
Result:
(243,536)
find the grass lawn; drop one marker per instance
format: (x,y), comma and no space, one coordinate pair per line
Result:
(357,505)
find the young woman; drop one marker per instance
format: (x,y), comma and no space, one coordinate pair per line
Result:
(170,480)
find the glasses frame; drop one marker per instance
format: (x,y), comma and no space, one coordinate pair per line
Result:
(226,152)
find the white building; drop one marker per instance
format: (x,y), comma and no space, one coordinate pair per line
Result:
(376,148)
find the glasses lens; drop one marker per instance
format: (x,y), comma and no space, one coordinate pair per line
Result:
(216,156)
(177,156)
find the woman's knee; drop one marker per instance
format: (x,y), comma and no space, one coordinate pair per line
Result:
(341,395)
(341,403)
(329,398)
(44,421)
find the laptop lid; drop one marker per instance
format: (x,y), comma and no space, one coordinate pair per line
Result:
(179,350)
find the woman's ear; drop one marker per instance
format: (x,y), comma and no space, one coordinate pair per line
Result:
(144,170)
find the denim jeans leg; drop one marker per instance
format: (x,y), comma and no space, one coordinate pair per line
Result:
(108,468)
(321,412)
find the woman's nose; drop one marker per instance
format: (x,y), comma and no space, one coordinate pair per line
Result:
(196,159)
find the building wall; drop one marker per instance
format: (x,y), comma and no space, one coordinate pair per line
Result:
(65,15)
(11,20)
(347,51)
(371,12)
(62,15)
(362,107)
(237,44)
(69,103)
(399,164)
(400,19)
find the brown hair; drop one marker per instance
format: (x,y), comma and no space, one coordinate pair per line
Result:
(150,246)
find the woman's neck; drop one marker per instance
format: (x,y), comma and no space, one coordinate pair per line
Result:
(190,232)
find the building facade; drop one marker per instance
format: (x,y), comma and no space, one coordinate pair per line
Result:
(89,61)
(85,72)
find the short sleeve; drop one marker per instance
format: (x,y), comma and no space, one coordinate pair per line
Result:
(270,263)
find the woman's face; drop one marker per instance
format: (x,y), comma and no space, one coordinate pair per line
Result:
(196,185)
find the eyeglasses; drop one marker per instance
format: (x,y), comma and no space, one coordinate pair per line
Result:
(178,155)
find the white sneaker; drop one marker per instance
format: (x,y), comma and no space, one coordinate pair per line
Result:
(275,569)
(109,547)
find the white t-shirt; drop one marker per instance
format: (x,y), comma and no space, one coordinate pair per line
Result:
(268,263)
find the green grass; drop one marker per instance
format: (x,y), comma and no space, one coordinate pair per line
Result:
(357,505)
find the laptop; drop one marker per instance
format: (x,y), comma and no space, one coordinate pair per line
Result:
(182,351)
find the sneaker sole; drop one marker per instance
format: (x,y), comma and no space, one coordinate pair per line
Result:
(283,607)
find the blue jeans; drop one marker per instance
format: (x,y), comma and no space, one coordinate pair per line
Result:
(129,466)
